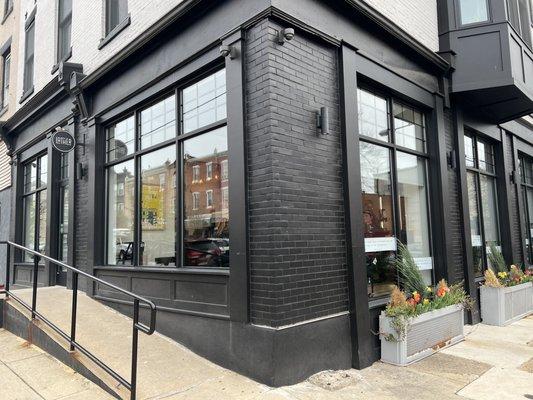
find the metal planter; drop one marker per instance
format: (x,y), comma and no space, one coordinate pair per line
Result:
(425,335)
(502,306)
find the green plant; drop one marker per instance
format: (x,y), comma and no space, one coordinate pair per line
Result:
(410,277)
(496,259)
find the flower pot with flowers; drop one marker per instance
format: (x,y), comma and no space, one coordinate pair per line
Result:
(419,320)
(507,294)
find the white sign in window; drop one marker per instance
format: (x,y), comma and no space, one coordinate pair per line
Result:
(476,240)
(374,245)
(424,263)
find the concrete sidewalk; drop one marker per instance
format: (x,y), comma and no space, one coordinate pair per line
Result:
(27,373)
(492,363)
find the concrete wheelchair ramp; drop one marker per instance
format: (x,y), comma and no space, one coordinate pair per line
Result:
(165,368)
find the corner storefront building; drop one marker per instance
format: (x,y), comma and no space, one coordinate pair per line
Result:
(249,166)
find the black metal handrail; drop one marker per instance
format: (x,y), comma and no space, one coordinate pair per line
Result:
(137,300)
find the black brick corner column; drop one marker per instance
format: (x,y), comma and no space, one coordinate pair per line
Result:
(238,281)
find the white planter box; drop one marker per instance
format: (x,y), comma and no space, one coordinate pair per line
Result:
(502,306)
(426,334)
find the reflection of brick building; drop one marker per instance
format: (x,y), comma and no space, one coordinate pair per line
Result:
(206,196)
(158,210)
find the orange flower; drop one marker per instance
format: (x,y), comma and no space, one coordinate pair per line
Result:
(411,302)
(416,297)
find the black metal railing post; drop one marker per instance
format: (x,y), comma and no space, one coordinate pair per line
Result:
(36,260)
(74,309)
(8,267)
(135,341)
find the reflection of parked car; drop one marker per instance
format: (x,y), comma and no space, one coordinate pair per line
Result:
(223,243)
(207,253)
(125,251)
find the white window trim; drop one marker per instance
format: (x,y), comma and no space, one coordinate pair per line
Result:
(196,200)
(209,171)
(224,172)
(207,193)
(195,173)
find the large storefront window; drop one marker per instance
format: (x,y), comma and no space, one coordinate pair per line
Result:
(147,189)
(526,179)
(482,200)
(395,189)
(34,203)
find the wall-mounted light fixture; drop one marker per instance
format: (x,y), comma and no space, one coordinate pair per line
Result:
(228,51)
(322,120)
(285,35)
(80,171)
(452,159)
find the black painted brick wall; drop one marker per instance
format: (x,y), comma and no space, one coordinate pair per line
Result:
(81,207)
(455,218)
(514,214)
(296,209)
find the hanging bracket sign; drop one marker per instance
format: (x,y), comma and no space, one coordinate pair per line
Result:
(63,141)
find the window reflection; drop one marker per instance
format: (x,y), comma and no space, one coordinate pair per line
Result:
(204,102)
(373,115)
(158,123)
(378,225)
(414,210)
(482,200)
(121,139)
(475,223)
(473,11)
(158,221)
(120,208)
(206,217)
(29,224)
(409,127)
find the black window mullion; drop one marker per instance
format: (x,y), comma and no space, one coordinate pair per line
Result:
(137,236)
(178,190)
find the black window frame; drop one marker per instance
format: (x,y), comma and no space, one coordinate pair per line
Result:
(40,187)
(525,186)
(111,32)
(28,77)
(393,149)
(4,94)
(136,155)
(521,22)
(61,25)
(8,8)
(478,172)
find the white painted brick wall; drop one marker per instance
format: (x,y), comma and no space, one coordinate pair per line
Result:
(417,17)
(87,30)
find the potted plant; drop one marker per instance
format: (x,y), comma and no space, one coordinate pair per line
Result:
(419,320)
(507,294)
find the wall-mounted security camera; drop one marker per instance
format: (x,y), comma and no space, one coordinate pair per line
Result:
(284,35)
(228,51)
